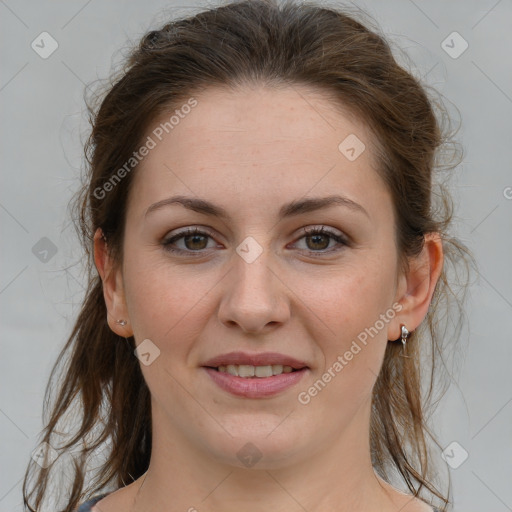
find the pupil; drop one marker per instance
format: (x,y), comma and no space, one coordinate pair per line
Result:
(316,237)
(195,239)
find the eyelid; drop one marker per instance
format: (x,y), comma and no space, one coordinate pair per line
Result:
(187,231)
(339,237)
(322,229)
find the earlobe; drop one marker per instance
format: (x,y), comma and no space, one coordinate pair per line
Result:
(418,286)
(113,290)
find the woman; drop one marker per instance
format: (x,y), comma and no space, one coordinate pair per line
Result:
(266,265)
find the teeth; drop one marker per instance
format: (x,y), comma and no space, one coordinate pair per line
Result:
(247,370)
(263,371)
(232,369)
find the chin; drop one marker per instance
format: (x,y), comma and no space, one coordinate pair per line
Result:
(259,444)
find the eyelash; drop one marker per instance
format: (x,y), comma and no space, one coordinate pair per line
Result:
(306,232)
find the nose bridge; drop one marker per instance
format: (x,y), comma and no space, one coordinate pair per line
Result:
(253,279)
(254,296)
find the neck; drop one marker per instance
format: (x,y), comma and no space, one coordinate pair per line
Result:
(338,477)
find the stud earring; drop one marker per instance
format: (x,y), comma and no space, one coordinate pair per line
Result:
(121,322)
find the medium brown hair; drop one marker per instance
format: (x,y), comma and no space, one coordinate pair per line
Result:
(258,42)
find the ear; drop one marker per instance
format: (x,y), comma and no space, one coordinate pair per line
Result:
(416,288)
(113,290)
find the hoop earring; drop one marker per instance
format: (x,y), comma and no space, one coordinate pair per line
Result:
(405,334)
(121,322)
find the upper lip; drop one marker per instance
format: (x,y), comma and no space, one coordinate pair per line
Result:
(261,359)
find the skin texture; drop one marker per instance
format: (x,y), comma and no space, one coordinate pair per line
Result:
(251,151)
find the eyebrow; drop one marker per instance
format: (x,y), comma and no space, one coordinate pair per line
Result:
(291,209)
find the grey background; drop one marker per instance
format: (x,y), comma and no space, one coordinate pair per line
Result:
(43,127)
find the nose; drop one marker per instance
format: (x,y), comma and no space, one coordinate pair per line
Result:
(255,298)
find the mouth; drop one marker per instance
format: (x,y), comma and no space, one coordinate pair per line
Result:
(255,375)
(255,364)
(253,386)
(248,371)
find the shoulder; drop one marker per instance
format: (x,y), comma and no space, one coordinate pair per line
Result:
(119,500)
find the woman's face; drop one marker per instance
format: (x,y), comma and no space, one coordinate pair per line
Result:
(253,287)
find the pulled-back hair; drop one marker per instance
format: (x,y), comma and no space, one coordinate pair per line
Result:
(276,45)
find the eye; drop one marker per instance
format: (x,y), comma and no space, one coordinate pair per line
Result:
(194,240)
(320,238)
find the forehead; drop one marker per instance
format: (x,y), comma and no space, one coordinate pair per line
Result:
(261,115)
(257,141)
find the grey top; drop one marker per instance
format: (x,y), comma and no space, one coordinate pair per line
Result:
(86,507)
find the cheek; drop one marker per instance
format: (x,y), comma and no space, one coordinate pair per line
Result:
(347,300)
(355,306)
(164,301)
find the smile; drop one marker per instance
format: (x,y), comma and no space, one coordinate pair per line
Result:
(248,371)
(255,386)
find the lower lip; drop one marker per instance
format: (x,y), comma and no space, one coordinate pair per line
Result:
(255,387)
